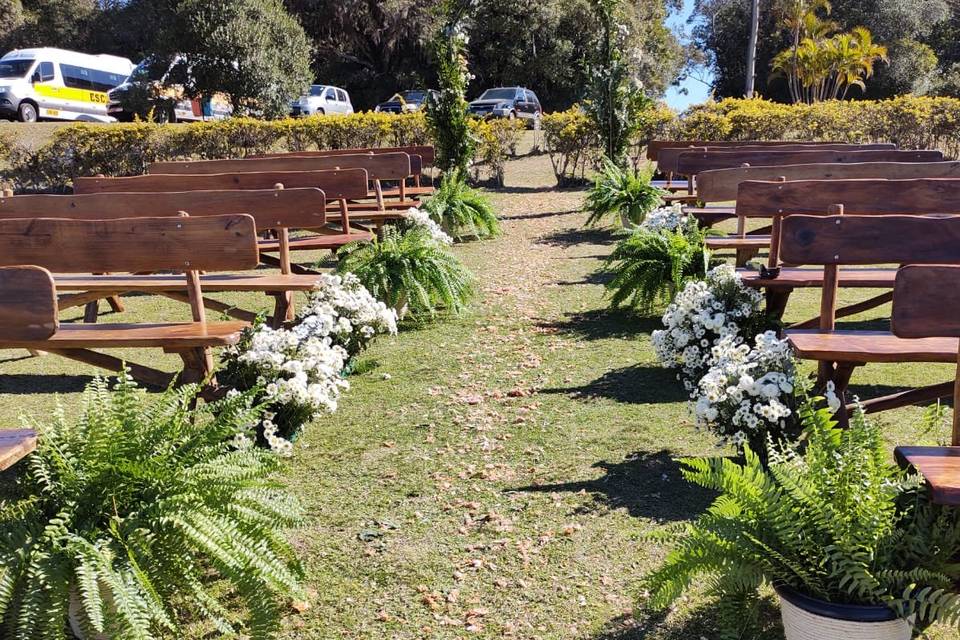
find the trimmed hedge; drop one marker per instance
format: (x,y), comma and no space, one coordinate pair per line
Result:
(126,149)
(912,122)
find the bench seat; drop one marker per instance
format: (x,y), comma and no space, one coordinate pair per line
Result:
(316,243)
(388,205)
(798,278)
(156,283)
(710,216)
(739,242)
(172,336)
(16,444)
(940,467)
(870,346)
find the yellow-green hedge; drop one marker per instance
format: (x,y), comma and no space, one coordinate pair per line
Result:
(912,122)
(126,149)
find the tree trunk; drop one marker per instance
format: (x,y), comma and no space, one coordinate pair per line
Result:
(752,48)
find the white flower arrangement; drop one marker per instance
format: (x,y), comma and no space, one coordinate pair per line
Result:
(420,218)
(664,219)
(702,314)
(341,308)
(748,392)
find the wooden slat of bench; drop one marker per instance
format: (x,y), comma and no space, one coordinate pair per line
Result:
(692,163)
(709,216)
(426,152)
(738,242)
(164,282)
(345,183)
(318,242)
(28,303)
(940,466)
(271,208)
(171,336)
(918,196)
(655,147)
(867,240)
(131,244)
(16,444)
(870,346)
(928,302)
(796,278)
(385,166)
(676,160)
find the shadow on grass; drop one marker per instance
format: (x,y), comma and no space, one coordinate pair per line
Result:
(647,484)
(636,384)
(544,214)
(701,623)
(598,277)
(601,324)
(517,189)
(28,383)
(566,238)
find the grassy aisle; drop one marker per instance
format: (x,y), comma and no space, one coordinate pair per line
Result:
(491,476)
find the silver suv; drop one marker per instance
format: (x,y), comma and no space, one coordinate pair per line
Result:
(507,102)
(322,99)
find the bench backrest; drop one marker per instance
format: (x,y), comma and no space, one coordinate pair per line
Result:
(426,152)
(270,208)
(336,185)
(692,163)
(386,166)
(870,240)
(669,161)
(654,147)
(926,302)
(921,196)
(720,185)
(213,243)
(28,304)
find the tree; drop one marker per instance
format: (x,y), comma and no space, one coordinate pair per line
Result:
(372,48)
(251,50)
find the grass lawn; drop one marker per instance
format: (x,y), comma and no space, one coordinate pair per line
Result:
(492,475)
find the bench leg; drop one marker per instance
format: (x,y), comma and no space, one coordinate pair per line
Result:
(91,310)
(923,395)
(283,308)
(116,304)
(197,366)
(777,300)
(745,255)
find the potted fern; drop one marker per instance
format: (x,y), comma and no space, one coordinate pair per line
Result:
(461,210)
(411,270)
(848,540)
(626,193)
(141,509)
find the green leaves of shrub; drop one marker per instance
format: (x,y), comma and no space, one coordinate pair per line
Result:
(409,268)
(138,507)
(617,190)
(461,210)
(647,267)
(837,521)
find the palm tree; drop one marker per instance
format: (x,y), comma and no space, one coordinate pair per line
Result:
(799,16)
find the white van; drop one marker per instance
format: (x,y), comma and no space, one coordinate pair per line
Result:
(322,99)
(57,84)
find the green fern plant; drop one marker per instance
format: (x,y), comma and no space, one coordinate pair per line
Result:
(461,210)
(649,267)
(835,521)
(624,192)
(140,507)
(410,271)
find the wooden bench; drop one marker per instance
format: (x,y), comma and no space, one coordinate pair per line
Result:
(695,162)
(874,197)
(840,240)
(28,296)
(276,210)
(654,147)
(776,199)
(721,185)
(422,158)
(379,168)
(16,444)
(339,186)
(926,305)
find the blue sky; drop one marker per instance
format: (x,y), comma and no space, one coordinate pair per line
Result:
(697,91)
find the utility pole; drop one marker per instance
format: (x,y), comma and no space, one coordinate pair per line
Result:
(752,48)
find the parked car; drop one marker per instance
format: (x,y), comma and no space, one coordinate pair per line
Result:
(150,89)
(508,102)
(56,84)
(407,101)
(322,99)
